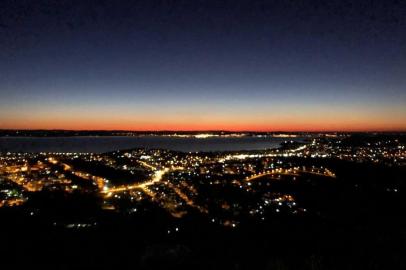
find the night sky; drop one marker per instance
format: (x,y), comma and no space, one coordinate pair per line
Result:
(199,65)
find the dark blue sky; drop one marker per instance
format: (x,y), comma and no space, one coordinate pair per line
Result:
(203,64)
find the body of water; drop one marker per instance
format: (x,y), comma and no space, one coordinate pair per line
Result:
(106,144)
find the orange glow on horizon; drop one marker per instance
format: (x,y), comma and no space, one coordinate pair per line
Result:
(289,126)
(203,118)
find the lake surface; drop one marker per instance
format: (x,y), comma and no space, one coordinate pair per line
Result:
(106,144)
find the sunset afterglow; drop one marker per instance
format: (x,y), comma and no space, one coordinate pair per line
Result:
(181,69)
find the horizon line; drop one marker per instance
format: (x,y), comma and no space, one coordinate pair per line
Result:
(208,130)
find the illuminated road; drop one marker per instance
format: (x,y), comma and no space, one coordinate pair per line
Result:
(143,163)
(157,177)
(100,181)
(290,172)
(185,198)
